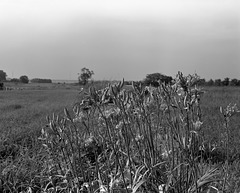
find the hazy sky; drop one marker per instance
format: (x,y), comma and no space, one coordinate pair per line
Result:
(120,38)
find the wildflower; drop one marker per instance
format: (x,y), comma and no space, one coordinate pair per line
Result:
(229,111)
(137,112)
(119,125)
(111,112)
(197,125)
(161,188)
(163,107)
(180,92)
(139,138)
(79,118)
(165,154)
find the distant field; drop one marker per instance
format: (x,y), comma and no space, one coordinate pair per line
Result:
(24,111)
(39,86)
(212,100)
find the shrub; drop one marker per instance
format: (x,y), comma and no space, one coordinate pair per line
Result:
(24,79)
(155,78)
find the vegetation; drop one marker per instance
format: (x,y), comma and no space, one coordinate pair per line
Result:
(1,85)
(218,82)
(3,75)
(40,80)
(84,76)
(24,79)
(121,139)
(156,78)
(15,80)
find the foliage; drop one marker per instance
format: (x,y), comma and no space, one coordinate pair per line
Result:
(155,78)
(3,75)
(24,79)
(210,82)
(15,80)
(84,76)
(40,80)
(1,85)
(201,82)
(218,82)
(235,82)
(225,82)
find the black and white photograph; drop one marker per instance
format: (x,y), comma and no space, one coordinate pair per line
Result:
(119,96)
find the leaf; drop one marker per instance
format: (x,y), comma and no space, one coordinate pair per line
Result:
(67,114)
(135,188)
(205,179)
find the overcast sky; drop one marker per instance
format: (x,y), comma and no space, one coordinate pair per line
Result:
(119,38)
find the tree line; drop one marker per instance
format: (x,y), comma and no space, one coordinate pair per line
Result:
(22,79)
(150,79)
(220,82)
(154,79)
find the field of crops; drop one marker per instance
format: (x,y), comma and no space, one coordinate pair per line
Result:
(168,139)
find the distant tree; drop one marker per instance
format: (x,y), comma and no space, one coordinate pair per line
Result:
(14,80)
(84,76)
(24,79)
(1,85)
(218,82)
(155,78)
(127,82)
(225,82)
(3,75)
(201,82)
(234,82)
(210,82)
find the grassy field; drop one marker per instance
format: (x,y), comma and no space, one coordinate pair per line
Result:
(143,139)
(213,120)
(23,112)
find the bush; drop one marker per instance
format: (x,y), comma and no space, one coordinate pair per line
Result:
(24,79)
(3,75)
(155,79)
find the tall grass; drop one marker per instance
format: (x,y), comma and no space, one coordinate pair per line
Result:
(142,139)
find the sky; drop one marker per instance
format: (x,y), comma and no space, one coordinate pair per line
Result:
(119,38)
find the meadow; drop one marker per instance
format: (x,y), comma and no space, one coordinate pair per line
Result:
(24,109)
(60,138)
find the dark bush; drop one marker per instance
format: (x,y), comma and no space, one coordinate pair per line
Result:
(155,78)
(24,79)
